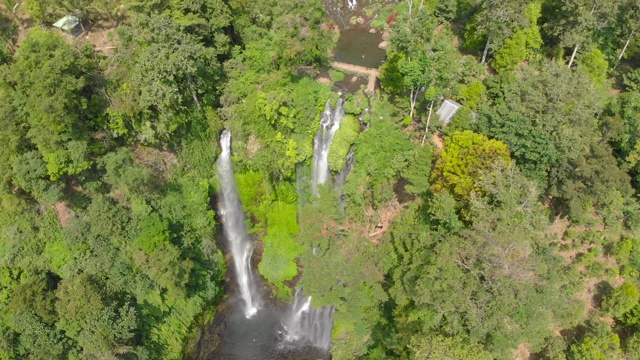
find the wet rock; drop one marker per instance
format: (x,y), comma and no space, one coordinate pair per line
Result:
(373,31)
(386,34)
(383,45)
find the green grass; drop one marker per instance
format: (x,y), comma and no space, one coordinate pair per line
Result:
(336,75)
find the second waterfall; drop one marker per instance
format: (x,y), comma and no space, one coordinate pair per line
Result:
(329,124)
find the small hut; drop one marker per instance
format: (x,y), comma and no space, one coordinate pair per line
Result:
(447,110)
(68,24)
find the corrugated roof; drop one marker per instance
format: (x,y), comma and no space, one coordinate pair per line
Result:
(447,110)
(67,23)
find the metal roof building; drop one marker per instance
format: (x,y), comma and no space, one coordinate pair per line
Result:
(67,23)
(447,110)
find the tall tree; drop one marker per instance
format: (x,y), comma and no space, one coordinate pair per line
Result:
(52,79)
(522,44)
(422,56)
(163,75)
(497,20)
(465,155)
(559,107)
(630,13)
(574,23)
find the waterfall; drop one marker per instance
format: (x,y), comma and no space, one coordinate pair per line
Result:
(349,163)
(272,330)
(341,11)
(308,326)
(235,229)
(329,124)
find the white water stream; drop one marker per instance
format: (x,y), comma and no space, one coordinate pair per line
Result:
(329,124)
(235,229)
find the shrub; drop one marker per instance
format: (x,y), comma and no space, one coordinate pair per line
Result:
(278,259)
(336,75)
(621,299)
(595,65)
(342,141)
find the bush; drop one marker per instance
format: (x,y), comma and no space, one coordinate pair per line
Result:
(278,262)
(595,65)
(472,95)
(631,318)
(342,141)
(631,80)
(622,251)
(282,216)
(336,75)
(632,347)
(356,103)
(621,300)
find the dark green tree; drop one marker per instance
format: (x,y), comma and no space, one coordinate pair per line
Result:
(165,75)
(495,21)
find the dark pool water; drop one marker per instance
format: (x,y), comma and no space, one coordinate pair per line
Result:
(349,86)
(243,338)
(354,43)
(234,337)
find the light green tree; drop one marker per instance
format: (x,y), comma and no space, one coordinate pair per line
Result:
(522,44)
(441,347)
(621,299)
(465,155)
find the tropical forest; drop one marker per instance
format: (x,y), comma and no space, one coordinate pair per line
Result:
(320,179)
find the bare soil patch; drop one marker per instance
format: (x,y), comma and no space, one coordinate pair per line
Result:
(522,352)
(160,161)
(588,293)
(438,140)
(65,214)
(386,216)
(253,145)
(101,36)
(324,80)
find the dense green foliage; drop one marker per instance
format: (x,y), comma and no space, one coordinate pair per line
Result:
(346,136)
(512,230)
(107,245)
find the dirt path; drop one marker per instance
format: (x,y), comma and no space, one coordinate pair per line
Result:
(360,70)
(437,140)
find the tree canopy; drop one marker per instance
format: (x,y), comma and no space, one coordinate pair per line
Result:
(510,232)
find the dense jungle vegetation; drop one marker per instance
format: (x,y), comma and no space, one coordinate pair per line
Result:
(515,230)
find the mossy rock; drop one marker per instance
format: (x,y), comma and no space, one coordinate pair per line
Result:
(278,262)
(342,141)
(336,76)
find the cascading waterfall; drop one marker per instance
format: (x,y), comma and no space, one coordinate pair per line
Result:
(329,124)
(308,326)
(235,228)
(341,11)
(264,331)
(349,163)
